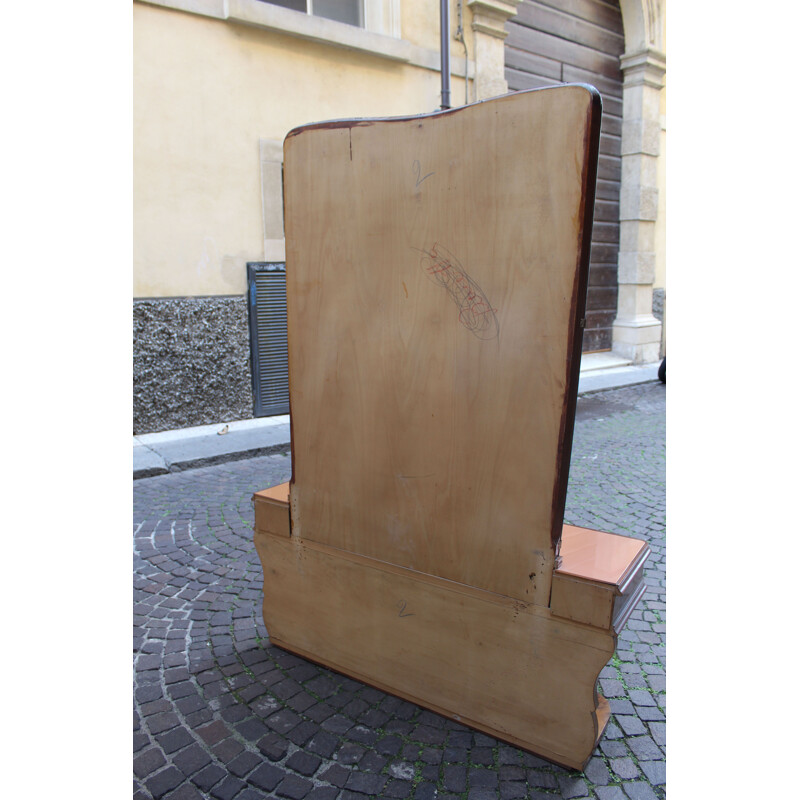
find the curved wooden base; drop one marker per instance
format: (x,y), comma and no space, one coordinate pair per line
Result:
(508,668)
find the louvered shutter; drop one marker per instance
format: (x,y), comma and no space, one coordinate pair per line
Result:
(268,343)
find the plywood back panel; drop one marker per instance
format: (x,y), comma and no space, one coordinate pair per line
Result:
(436,271)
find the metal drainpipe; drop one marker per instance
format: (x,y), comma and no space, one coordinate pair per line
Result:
(444,26)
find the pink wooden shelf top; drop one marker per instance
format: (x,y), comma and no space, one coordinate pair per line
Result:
(275,494)
(601,557)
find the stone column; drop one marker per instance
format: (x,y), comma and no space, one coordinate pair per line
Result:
(636,332)
(488,21)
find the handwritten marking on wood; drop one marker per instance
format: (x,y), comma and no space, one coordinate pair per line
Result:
(417,170)
(475,312)
(401,605)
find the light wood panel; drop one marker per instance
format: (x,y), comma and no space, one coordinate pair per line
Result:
(502,666)
(436,272)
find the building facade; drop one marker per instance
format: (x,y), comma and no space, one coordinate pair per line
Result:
(219,83)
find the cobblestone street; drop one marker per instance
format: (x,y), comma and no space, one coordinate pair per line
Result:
(220,713)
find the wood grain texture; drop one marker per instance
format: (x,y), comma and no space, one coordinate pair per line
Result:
(437,270)
(504,667)
(272,510)
(434,269)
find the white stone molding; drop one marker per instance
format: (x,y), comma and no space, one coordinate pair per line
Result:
(271,156)
(636,332)
(384,44)
(488,25)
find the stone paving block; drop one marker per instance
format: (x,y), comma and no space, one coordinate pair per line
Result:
(266,776)
(644,748)
(304,763)
(148,762)
(511,773)
(613,749)
(227,749)
(610,793)
(597,772)
(639,791)
(512,790)
(323,744)
(650,714)
(366,783)
(328,793)
(624,768)
(612,731)
(208,777)
(655,772)
(631,725)
(228,788)
(425,791)
(186,792)
(197,616)
(162,782)
(659,732)
(571,787)
(542,779)
(398,789)
(482,777)
(294,787)
(335,774)
(455,778)
(248,793)
(191,759)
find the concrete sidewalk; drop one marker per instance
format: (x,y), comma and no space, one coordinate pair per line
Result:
(187,448)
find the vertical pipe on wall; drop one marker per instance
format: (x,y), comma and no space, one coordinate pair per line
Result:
(444,29)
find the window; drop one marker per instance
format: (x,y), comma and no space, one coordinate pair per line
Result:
(347,11)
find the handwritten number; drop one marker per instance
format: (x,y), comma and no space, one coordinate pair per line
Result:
(417,170)
(402,606)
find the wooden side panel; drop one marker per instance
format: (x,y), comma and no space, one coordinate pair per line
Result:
(502,666)
(432,280)
(272,510)
(580,601)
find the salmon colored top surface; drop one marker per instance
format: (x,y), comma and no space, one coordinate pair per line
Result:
(597,556)
(276,494)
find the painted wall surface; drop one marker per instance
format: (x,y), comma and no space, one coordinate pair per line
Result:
(205,92)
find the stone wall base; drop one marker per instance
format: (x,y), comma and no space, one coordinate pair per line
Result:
(191,362)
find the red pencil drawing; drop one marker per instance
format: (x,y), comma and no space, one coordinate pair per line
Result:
(475,312)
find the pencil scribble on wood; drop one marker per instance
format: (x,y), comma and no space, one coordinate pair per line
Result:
(475,312)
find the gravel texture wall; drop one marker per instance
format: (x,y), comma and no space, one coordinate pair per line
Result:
(191,362)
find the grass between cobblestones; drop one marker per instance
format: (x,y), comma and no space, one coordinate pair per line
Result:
(221,713)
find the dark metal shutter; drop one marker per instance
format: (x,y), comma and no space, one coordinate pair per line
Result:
(268,342)
(580,41)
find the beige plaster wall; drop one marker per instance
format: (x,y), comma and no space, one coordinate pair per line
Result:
(205,92)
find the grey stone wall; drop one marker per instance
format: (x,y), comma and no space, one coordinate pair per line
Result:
(191,362)
(659,299)
(658,304)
